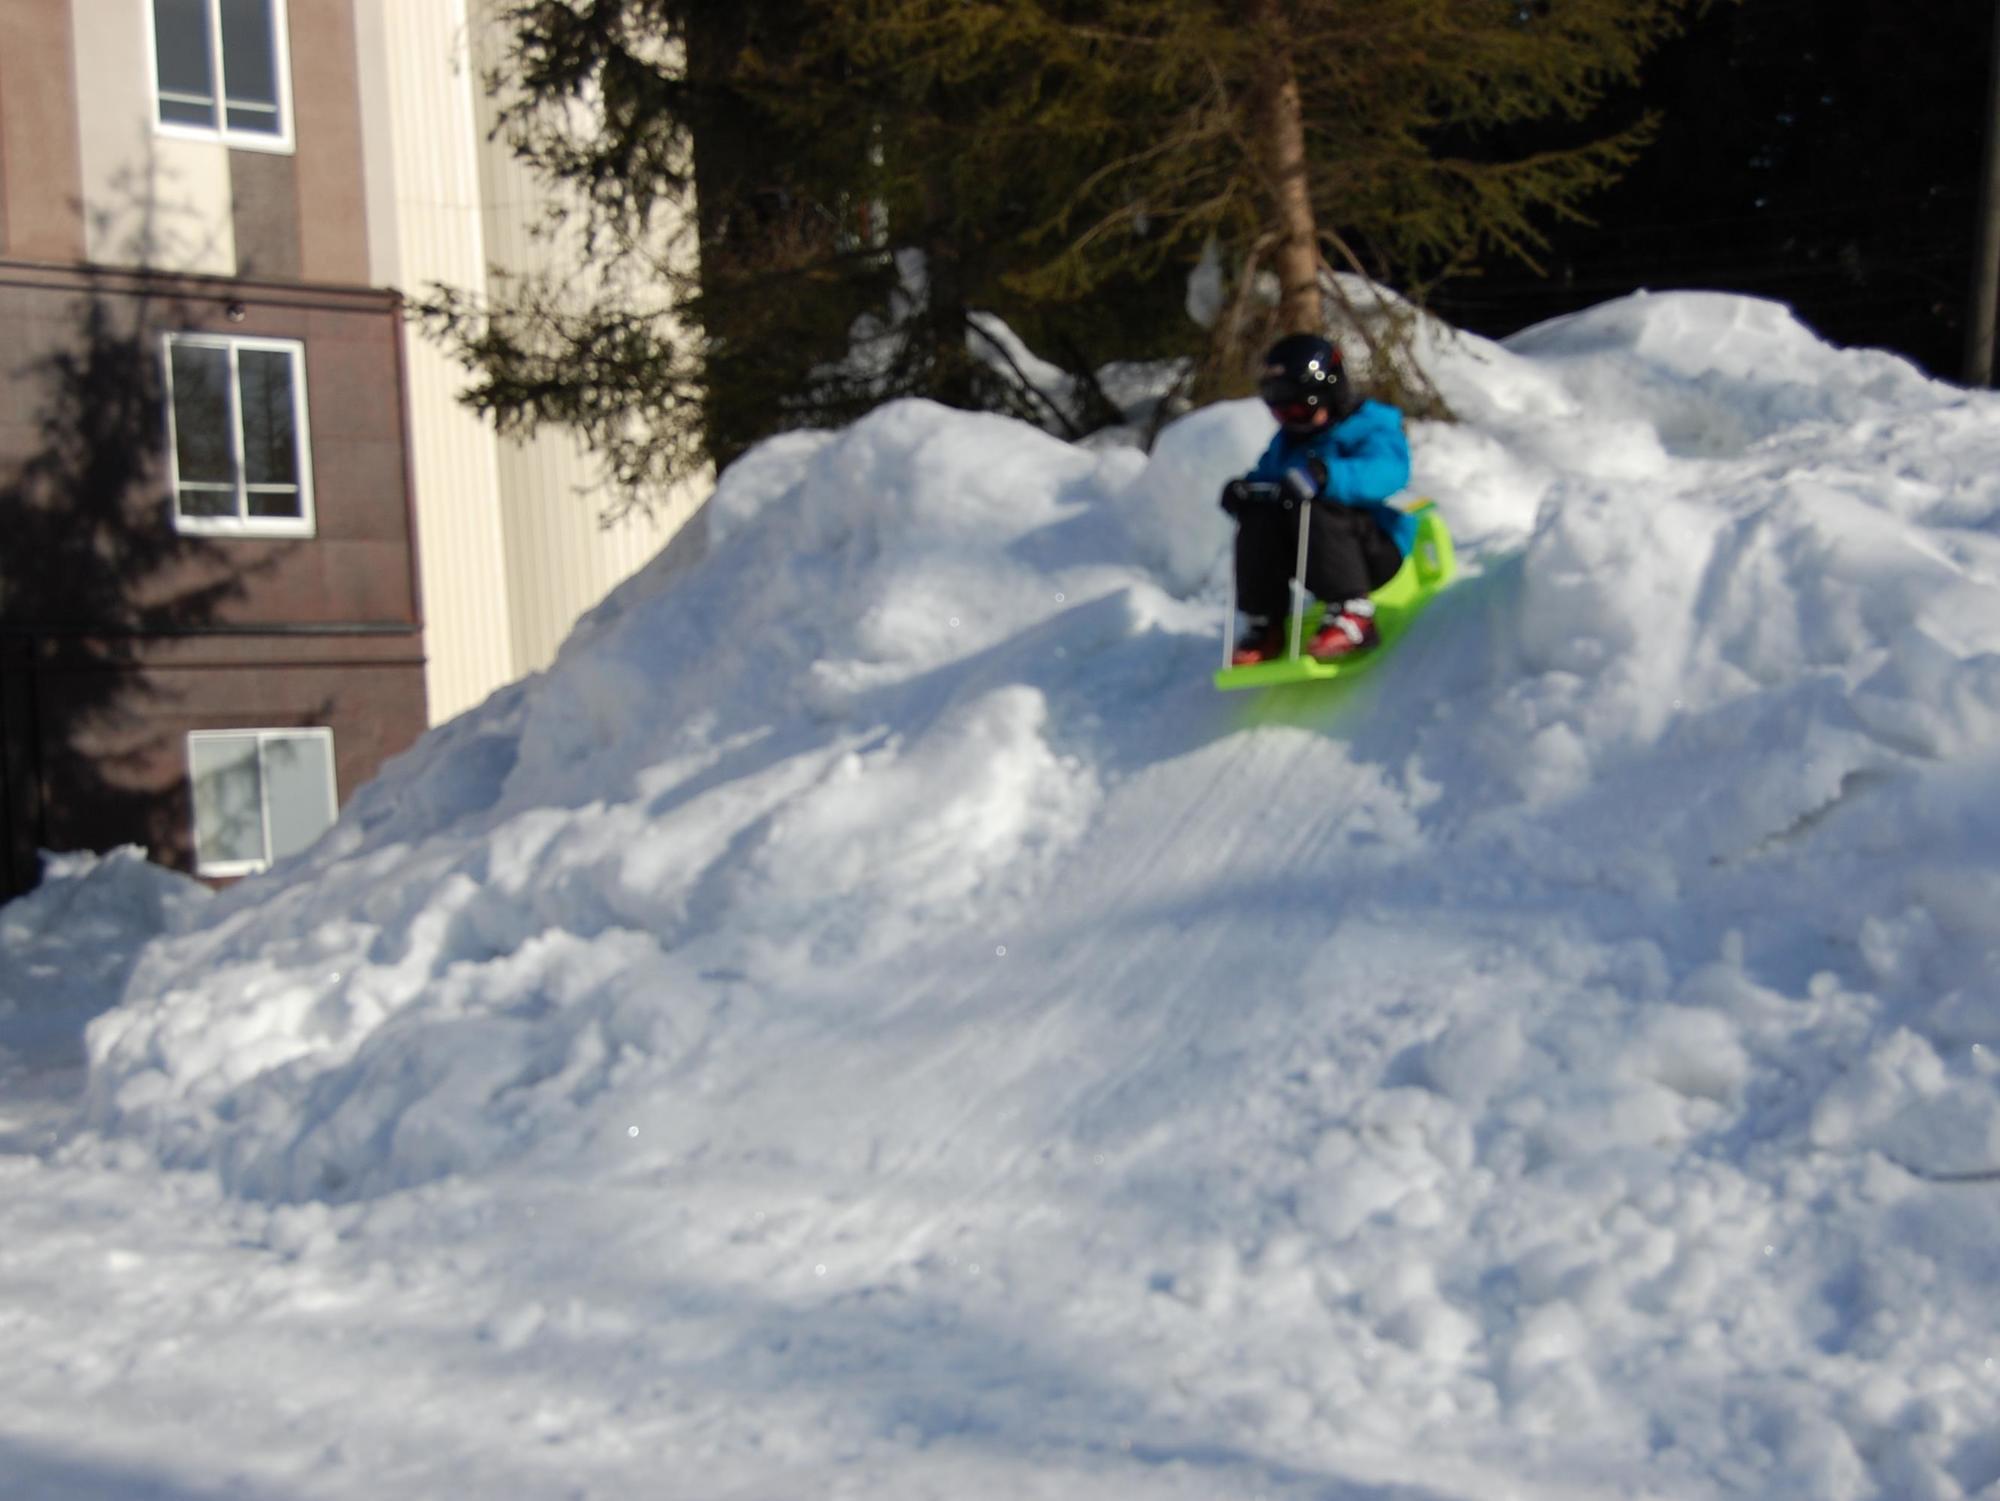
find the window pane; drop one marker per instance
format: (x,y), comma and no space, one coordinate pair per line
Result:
(180,110)
(180,43)
(250,65)
(197,500)
(299,770)
(228,800)
(283,504)
(202,447)
(270,446)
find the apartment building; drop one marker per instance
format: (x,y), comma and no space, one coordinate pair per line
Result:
(250,546)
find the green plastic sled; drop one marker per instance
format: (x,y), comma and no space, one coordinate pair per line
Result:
(1427,569)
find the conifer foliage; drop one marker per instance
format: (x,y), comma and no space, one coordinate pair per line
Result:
(863,176)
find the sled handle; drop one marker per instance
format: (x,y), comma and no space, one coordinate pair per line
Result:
(1229,622)
(1299,586)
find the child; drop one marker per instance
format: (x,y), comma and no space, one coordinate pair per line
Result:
(1342,457)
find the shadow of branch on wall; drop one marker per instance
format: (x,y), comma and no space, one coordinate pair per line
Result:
(92,574)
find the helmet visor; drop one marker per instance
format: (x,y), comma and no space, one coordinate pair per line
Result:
(1294,413)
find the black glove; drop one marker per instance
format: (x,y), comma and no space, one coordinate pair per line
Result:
(1235,496)
(1303,482)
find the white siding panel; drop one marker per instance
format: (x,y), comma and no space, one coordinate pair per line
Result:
(560,559)
(427,138)
(378,155)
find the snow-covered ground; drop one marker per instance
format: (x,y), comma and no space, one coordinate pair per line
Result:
(871,1021)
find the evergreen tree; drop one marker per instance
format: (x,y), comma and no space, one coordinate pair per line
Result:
(883,168)
(721,255)
(1289,133)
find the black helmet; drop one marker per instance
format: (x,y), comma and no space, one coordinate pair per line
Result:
(1303,374)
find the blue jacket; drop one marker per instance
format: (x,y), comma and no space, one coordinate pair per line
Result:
(1367,460)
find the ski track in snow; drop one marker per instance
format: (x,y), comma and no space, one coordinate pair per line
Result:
(886,1062)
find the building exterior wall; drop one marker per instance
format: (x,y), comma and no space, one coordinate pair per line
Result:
(159,200)
(120,635)
(443,561)
(41,212)
(359,564)
(121,631)
(149,199)
(332,195)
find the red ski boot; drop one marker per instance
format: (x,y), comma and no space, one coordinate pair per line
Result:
(1349,629)
(1260,643)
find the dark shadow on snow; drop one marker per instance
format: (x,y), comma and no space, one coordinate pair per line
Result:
(32,1472)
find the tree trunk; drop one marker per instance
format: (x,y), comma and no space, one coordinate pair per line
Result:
(947,313)
(1277,126)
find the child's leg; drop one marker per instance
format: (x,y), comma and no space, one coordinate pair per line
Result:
(1348,555)
(1267,552)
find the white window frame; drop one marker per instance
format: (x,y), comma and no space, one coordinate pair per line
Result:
(284,142)
(224,868)
(242,524)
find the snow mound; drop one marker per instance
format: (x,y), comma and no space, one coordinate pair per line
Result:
(68,944)
(1561,1048)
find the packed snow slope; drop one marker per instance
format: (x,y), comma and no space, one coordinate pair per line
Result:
(888,1024)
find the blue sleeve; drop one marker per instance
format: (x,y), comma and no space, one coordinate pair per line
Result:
(1371,468)
(1270,466)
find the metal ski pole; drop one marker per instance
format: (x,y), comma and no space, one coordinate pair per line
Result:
(1299,584)
(1229,622)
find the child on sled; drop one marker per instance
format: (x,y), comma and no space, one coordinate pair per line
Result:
(1340,458)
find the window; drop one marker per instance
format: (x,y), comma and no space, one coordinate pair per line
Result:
(259,795)
(242,44)
(236,435)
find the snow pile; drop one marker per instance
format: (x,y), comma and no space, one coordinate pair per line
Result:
(66,947)
(66,950)
(1567,1060)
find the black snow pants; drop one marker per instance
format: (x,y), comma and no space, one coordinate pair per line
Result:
(1348,555)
